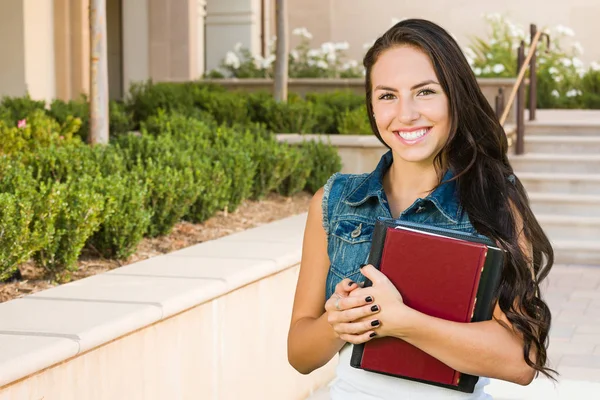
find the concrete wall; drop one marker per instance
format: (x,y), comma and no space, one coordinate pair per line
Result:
(359,22)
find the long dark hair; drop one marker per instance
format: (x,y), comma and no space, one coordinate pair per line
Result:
(494,199)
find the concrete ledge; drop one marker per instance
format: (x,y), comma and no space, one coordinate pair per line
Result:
(208,321)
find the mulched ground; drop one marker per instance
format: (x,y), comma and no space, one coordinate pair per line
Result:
(249,215)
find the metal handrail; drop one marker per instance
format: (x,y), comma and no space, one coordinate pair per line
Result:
(521,75)
(518,89)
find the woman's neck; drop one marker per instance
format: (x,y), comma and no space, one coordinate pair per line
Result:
(405,182)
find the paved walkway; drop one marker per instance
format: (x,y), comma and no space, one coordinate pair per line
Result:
(573,294)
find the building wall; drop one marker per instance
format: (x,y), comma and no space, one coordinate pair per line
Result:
(359,22)
(12,48)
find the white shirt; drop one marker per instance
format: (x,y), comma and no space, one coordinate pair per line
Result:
(356,384)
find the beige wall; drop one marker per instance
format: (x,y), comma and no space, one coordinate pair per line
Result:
(359,22)
(39,49)
(12,48)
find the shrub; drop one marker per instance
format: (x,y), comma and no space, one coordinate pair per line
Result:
(36,132)
(62,111)
(325,162)
(590,86)
(301,167)
(290,117)
(171,193)
(355,122)
(215,188)
(16,214)
(329,107)
(79,217)
(274,164)
(124,227)
(18,108)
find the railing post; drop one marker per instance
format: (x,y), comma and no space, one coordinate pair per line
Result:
(533,77)
(499,102)
(520,147)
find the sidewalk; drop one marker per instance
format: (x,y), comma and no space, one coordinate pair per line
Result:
(573,294)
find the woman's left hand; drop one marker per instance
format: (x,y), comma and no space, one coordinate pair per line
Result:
(394,314)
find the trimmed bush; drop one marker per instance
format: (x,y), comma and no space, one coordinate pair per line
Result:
(301,167)
(325,162)
(355,122)
(38,131)
(124,227)
(16,215)
(79,217)
(18,108)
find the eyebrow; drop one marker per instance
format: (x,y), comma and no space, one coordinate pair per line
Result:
(418,85)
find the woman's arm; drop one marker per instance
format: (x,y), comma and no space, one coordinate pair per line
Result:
(311,340)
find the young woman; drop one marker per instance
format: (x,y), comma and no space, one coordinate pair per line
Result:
(448,167)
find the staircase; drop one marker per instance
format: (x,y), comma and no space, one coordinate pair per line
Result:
(561,172)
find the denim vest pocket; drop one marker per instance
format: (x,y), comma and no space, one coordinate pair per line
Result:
(350,244)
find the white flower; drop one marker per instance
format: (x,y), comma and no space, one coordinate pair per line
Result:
(342,46)
(573,93)
(542,61)
(311,62)
(477,71)
(594,66)
(564,30)
(302,32)
(322,64)
(555,93)
(578,48)
(328,47)
(232,60)
(577,63)
(350,64)
(489,56)
(498,68)
(487,69)
(558,78)
(294,54)
(553,70)
(266,63)
(237,47)
(313,53)
(331,57)
(566,62)
(493,41)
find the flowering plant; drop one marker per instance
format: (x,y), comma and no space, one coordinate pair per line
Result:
(304,61)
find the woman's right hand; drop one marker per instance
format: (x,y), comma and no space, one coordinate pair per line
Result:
(352,318)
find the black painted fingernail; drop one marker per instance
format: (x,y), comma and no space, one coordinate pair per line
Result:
(362,265)
(375,308)
(373,334)
(368,299)
(350,283)
(375,323)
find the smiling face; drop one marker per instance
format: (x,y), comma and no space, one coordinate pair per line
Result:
(411,109)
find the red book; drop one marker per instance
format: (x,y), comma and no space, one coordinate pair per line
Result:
(438,273)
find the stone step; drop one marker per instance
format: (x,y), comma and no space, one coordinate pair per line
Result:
(563,144)
(562,129)
(558,163)
(584,252)
(570,227)
(565,204)
(541,182)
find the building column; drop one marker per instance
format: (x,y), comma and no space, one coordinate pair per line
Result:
(229,22)
(72,48)
(27,47)
(136,51)
(173,39)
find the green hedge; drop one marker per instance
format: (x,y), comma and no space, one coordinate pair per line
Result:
(59,195)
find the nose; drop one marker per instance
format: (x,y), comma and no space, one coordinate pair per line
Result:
(407,112)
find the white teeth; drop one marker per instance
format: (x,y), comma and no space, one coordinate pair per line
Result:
(413,135)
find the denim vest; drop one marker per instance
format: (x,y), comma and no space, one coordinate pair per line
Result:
(352,204)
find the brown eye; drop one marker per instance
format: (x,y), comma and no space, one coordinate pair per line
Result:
(386,96)
(425,92)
